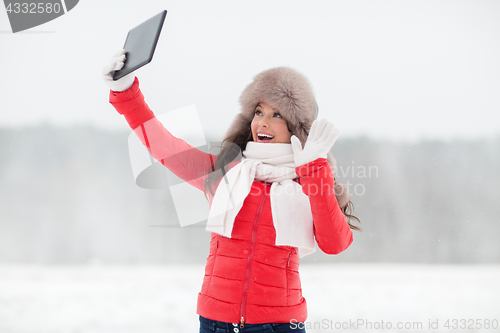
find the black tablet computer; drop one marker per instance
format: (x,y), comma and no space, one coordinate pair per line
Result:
(140,44)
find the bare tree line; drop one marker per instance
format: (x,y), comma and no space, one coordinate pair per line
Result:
(67,195)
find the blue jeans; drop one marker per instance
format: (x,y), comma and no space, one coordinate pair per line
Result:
(211,326)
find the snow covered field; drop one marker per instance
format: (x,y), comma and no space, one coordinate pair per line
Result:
(146,299)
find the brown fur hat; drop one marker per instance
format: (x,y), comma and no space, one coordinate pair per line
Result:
(291,93)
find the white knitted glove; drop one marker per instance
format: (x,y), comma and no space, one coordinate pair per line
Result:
(321,138)
(116,64)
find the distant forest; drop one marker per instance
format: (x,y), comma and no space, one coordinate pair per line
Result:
(67,196)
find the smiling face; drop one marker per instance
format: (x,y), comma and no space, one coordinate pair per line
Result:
(268,126)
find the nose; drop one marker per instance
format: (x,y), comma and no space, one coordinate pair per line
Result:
(263,122)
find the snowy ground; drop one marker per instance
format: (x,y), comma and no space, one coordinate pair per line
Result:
(133,299)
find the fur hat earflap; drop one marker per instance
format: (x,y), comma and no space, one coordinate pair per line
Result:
(291,93)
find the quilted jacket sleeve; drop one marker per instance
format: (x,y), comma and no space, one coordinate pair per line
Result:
(331,230)
(184,160)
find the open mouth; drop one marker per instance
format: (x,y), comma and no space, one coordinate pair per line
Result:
(265,137)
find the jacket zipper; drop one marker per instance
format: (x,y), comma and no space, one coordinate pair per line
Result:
(286,274)
(249,260)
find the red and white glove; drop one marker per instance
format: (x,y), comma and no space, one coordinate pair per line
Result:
(322,136)
(117,63)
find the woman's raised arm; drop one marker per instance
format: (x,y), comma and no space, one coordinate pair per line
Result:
(184,160)
(331,230)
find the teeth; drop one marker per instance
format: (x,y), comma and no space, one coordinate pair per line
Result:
(266,136)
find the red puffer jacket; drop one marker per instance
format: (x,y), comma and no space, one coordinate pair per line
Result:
(248,278)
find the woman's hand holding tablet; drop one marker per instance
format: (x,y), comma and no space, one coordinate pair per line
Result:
(138,51)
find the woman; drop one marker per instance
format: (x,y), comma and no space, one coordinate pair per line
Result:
(271,205)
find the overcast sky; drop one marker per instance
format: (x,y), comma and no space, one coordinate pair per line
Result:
(388,69)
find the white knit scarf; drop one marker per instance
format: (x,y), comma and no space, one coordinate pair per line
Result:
(291,210)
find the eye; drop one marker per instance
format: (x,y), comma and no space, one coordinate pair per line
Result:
(276,114)
(258,112)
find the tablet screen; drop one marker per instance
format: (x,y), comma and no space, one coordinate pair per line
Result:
(140,44)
